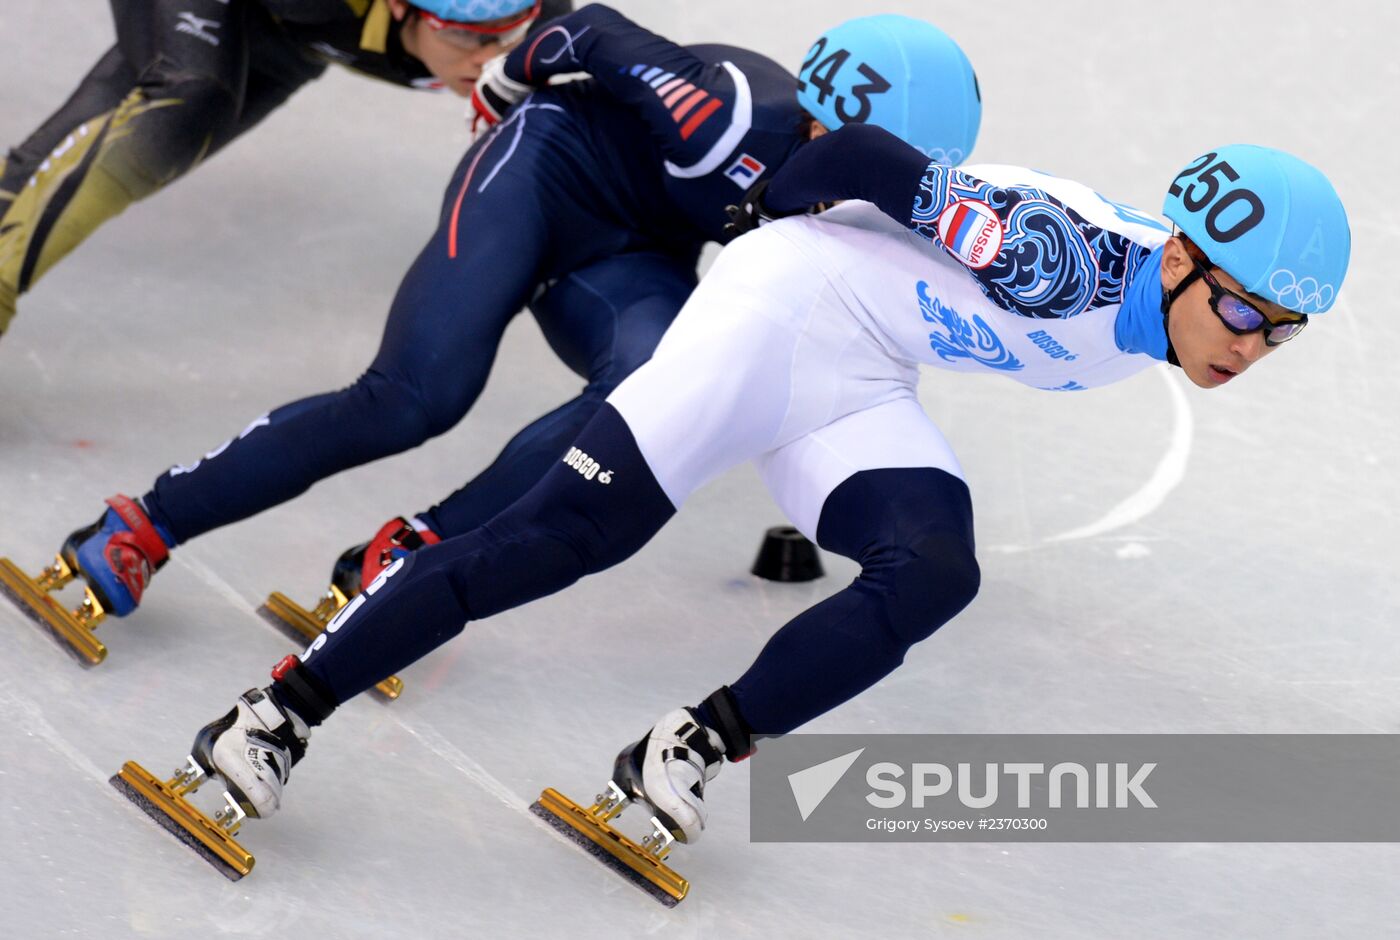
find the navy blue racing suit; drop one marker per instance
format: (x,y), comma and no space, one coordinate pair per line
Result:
(601,191)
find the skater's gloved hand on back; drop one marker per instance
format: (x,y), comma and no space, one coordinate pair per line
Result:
(495,94)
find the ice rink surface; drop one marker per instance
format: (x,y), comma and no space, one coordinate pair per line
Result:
(1155,558)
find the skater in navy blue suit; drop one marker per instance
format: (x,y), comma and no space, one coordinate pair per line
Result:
(587,202)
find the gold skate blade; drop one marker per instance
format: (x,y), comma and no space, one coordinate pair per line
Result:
(302,624)
(44,609)
(182,820)
(611,847)
(293,619)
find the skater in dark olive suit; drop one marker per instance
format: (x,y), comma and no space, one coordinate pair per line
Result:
(187,77)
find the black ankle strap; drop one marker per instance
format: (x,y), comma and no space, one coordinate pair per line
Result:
(729,724)
(296,688)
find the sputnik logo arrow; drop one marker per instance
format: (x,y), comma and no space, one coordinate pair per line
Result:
(811,786)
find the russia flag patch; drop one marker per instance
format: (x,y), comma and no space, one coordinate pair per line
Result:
(971,230)
(745,171)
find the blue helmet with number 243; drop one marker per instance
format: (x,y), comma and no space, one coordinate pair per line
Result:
(897,72)
(1271,221)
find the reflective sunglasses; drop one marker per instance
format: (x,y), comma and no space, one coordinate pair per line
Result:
(476,35)
(1239,315)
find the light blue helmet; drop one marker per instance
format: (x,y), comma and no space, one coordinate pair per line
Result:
(473,11)
(1271,221)
(900,73)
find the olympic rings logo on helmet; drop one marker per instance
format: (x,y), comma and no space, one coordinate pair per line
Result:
(1303,296)
(952,156)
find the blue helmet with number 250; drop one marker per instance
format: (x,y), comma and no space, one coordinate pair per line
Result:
(897,72)
(1271,221)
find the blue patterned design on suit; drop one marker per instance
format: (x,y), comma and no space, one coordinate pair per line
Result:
(976,340)
(1053,263)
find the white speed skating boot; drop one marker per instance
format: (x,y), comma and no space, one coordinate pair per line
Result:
(253,749)
(668,769)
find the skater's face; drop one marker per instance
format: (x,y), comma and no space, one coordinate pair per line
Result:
(455,57)
(1209,352)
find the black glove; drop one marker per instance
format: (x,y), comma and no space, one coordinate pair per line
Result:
(750,213)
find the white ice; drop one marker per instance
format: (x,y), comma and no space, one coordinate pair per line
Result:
(1155,558)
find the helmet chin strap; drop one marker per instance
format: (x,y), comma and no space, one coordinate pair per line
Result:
(1168,298)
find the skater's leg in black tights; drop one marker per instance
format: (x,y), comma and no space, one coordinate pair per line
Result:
(444,328)
(122,144)
(578,520)
(603,321)
(110,80)
(911,531)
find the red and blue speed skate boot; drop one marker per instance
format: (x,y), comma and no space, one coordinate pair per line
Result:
(115,557)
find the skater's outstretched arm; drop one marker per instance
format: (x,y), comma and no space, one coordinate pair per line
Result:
(858,161)
(1014,240)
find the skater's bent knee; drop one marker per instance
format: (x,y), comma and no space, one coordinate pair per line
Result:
(936,578)
(399,410)
(170,126)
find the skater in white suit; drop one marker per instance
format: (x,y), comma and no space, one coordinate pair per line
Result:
(800,351)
